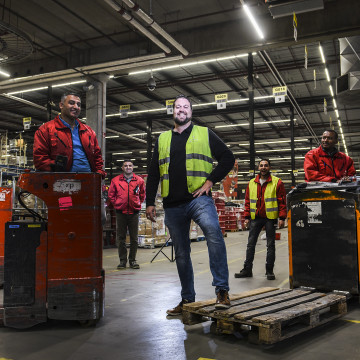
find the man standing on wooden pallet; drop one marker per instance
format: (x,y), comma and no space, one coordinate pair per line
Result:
(182,160)
(265,202)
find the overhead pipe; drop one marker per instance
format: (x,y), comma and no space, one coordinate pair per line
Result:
(37,106)
(266,58)
(151,22)
(137,25)
(57,76)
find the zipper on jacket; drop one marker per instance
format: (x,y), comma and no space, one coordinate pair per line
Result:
(60,139)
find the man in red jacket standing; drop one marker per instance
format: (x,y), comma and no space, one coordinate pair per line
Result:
(65,143)
(126,193)
(326,163)
(265,203)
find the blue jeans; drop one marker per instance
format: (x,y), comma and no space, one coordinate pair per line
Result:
(177,219)
(255,227)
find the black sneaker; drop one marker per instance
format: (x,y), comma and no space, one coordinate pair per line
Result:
(122,265)
(270,275)
(177,310)
(244,273)
(134,264)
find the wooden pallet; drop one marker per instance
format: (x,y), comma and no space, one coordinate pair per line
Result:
(269,314)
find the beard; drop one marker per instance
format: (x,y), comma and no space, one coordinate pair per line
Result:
(181,122)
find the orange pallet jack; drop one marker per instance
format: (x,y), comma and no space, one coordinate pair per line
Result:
(324,236)
(53,267)
(5,216)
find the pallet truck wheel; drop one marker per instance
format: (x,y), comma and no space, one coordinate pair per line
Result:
(88,323)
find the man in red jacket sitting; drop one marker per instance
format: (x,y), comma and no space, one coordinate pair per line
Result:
(326,163)
(126,193)
(65,143)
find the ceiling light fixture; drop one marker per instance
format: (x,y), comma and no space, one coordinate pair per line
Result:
(255,123)
(3,73)
(322,54)
(46,87)
(252,20)
(327,75)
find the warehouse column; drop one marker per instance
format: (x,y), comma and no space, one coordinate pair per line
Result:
(49,104)
(292,145)
(251,111)
(96,107)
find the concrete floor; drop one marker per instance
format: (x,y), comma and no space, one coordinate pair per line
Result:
(135,324)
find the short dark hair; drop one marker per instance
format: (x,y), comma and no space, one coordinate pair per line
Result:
(65,94)
(182,96)
(264,159)
(127,160)
(334,132)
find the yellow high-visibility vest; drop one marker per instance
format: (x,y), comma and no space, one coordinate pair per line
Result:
(198,159)
(271,204)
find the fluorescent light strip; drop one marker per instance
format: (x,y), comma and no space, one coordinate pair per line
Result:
(287,149)
(255,123)
(337,112)
(334,103)
(189,64)
(45,87)
(111,136)
(194,105)
(253,21)
(327,74)
(331,91)
(322,54)
(123,153)
(4,73)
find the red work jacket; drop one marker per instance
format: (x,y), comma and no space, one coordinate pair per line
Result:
(320,166)
(54,138)
(127,197)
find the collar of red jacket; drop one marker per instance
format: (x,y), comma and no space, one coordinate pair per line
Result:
(324,153)
(60,125)
(257,179)
(122,177)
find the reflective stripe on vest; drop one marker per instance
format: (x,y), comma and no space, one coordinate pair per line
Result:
(198,159)
(271,204)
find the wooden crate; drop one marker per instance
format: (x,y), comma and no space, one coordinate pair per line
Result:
(269,314)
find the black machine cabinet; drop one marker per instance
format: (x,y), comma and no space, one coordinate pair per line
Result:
(323,225)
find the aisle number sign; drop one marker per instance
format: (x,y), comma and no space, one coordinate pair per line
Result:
(124,111)
(169,106)
(221,100)
(279,93)
(27,123)
(296,172)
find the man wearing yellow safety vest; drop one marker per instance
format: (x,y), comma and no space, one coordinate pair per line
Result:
(265,203)
(182,161)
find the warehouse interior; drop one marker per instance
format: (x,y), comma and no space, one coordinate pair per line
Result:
(131,57)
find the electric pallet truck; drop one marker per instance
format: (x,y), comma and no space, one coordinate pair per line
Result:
(324,236)
(53,266)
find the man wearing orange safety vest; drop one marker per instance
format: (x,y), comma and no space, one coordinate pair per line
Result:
(265,203)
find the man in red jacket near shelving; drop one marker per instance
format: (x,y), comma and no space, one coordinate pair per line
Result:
(126,193)
(326,163)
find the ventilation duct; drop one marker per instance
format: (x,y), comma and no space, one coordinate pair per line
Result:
(348,84)
(287,8)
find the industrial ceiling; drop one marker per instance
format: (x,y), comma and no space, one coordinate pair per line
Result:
(198,48)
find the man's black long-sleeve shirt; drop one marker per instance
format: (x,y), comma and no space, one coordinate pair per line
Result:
(178,191)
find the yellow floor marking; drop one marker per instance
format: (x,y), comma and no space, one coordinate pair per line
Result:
(353,321)
(198,359)
(5,359)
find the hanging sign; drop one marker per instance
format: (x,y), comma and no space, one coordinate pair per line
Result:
(295,172)
(306,58)
(124,111)
(221,100)
(27,123)
(325,106)
(295,24)
(279,93)
(169,106)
